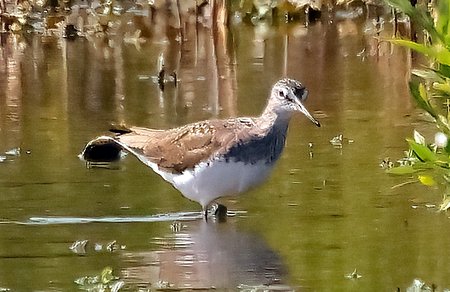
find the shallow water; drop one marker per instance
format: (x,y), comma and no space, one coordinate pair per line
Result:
(324,212)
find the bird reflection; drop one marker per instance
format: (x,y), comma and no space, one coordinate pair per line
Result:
(206,255)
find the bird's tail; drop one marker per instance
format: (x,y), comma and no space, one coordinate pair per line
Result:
(119,129)
(102,149)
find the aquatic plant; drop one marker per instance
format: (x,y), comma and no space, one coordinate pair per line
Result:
(430,88)
(105,281)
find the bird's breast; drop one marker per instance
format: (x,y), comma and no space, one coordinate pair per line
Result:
(265,148)
(214,179)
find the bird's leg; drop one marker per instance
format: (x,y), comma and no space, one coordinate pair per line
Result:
(221,212)
(218,210)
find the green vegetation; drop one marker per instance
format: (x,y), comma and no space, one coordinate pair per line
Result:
(105,281)
(430,88)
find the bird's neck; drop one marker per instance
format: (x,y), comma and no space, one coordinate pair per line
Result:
(273,119)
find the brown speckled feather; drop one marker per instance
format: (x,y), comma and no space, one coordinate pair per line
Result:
(182,148)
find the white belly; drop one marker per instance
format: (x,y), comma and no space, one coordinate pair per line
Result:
(206,182)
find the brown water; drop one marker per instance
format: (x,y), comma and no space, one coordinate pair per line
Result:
(324,212)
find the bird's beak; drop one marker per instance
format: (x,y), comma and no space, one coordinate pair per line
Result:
(301,108)
(308,115)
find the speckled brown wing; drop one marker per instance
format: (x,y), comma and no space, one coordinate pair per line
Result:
(178,149)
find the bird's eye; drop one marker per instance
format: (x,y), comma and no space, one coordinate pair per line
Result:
(282,93)
(299,92)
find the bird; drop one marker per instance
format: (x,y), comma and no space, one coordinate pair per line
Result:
(214,158)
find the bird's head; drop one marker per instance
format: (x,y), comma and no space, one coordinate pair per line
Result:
(288,95)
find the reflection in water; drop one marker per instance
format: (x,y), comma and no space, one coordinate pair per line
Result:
(207,255)
(11,94)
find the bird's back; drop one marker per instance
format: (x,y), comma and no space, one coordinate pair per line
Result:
(178,149)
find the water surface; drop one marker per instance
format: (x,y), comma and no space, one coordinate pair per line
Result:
(324,212)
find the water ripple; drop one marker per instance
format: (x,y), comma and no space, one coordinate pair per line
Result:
(167,217)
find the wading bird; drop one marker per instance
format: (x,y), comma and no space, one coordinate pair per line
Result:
(214,158)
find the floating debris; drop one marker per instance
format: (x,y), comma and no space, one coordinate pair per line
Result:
(420,286)
(310,148)
(134,39)
(13,152)
(112,246)
(79,246)
(386,163)
(362,54)
(271,287)
(98,247)
(353,275)
(339,140)
(163,285)
(144,77)
(2,158)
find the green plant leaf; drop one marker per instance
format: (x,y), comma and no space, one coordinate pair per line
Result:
(443,70)
(443,124)
(443,163)
(423,165)
(428,74)
(426,180)
(419,138)
(447,148)
(436,51)
(420,96)
(422,151)
(441,53)
(420,16)
(421,48)
(107,275)
(403,5)
(402,170)
(445,204)
(442,17)
(443,87)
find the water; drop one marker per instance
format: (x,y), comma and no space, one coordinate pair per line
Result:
(324,212)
